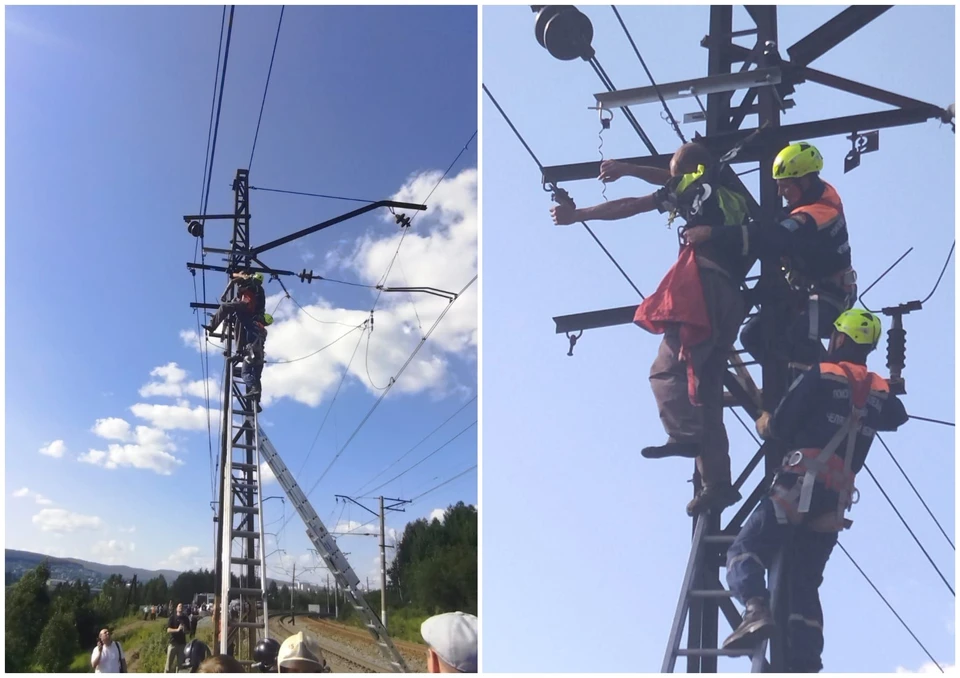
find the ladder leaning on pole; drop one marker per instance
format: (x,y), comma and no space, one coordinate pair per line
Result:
(244,582)
(332,556)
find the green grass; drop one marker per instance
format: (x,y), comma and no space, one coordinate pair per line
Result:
(402,624)
(81,663)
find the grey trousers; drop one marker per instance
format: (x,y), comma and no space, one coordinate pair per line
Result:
(684,422)
(174,658)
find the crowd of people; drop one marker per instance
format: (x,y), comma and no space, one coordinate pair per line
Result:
(451,641)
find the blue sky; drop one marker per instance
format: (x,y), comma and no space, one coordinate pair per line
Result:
(107,118)
(597,536)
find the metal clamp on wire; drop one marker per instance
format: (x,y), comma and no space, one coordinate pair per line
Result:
(573,341)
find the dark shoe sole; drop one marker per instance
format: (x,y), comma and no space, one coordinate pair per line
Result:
(751,636)
(685,451)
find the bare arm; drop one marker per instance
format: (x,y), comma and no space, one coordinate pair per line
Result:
(611,170)
(617,209)
(652,175)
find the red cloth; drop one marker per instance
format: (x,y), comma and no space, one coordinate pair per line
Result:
(679,300)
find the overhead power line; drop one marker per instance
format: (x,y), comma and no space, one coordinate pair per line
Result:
(445,482)
(265,88)
(540,165)
(392,382)
(422,440)
(672,120)
(311,195)
(887,603)
(403,473)
(933,421)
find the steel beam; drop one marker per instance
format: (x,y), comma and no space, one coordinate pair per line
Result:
(593,319)
(858,88)
(759,148)
(224,269)
(207,217)
(833,32)
(336,220)
(715,84)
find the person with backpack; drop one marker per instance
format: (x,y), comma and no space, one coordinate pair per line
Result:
(108,656)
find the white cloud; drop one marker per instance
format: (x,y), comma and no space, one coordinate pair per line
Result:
(128,530)
(112,428)
(185,558)
(174,384)
(108,551)
(266,474)
(43,501)
(54,449)
(37,497)
(191,339)
(62,521)
(179,416)
(436,514)
(22,492)
(930,667)
(92,457)
(147,448)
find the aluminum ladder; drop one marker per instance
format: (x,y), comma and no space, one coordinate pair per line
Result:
(327,549)
(244,582)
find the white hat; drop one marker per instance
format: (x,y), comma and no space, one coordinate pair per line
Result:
(453,636)
(299,649)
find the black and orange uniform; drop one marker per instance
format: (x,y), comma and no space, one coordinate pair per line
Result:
(814,246)
(828,420)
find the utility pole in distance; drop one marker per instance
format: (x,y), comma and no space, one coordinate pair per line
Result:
(383,544)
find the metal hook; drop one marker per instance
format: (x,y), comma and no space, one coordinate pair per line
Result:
(573,341)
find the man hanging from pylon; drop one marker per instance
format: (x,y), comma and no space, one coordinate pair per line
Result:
(827,420)
(814,246)
(698,308)
(249,304)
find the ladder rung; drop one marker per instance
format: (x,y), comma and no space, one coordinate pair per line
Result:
(711,593)
(243,413)
(248,534)
(246,509)
(246,625)
(713,652)
(245,561)
(246,592)
(243,446)
(237,466)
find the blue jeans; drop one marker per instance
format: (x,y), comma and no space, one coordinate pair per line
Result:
(752,553)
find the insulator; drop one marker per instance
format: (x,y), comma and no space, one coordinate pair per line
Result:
(565,32)
(896,348)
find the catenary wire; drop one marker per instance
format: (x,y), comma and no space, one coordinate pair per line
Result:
(263,102)
(540,165)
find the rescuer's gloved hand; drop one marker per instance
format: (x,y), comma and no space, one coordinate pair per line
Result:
(765,426)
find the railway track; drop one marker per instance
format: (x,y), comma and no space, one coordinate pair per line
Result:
(343,660)
(406,647)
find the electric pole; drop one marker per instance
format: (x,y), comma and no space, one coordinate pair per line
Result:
(383,543)
(239,540)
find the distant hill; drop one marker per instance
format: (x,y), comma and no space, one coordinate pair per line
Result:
(19,562)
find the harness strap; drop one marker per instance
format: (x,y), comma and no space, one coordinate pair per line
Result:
(813,313)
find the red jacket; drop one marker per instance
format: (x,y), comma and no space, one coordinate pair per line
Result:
(679,300)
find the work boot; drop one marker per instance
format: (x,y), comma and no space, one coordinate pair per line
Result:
(757,625)
(713,498)
(688,450)
(254,393)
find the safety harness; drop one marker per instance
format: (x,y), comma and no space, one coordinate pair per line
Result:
(792,505)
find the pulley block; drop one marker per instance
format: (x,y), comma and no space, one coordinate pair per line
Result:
(565,32)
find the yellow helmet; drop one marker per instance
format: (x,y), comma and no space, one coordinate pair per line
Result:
(797,160)
(861,326)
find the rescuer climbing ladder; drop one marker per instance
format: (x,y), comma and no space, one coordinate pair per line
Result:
(243,592)
(332,556)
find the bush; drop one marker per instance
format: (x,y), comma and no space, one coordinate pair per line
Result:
(58,642)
